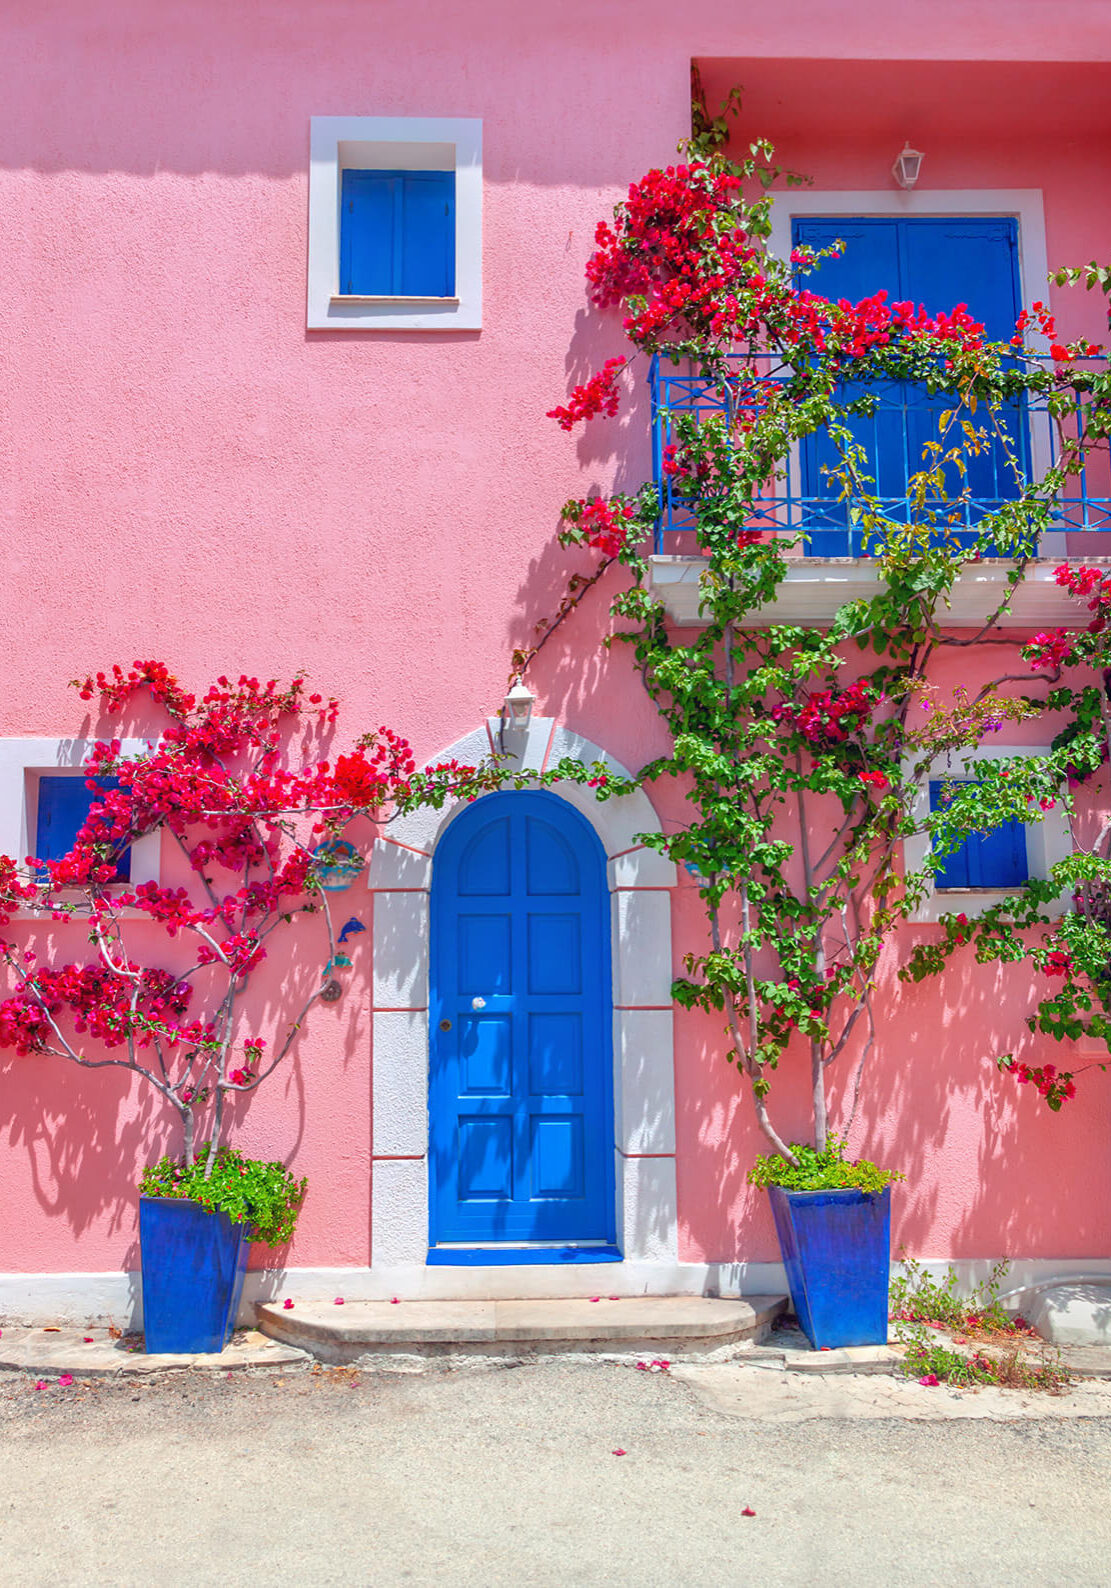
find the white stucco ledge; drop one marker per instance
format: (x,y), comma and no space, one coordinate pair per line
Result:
(815,587)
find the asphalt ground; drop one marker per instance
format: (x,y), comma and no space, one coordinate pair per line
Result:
(505,1476)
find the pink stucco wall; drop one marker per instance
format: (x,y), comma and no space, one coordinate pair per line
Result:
(190,474)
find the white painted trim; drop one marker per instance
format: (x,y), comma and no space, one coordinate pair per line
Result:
(406,143)
(400,876)
(116,1296)
(22,762)
(1047,840)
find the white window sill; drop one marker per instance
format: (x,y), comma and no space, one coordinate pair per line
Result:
(359,297)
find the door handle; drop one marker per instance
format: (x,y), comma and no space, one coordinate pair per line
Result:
(478,1003)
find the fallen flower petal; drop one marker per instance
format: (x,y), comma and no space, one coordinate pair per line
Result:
(748,1511)
(395,1301)
(39,1384)
(339,1301)
(65,1380)
(615,1298)
(287,1303)
(929,1380)
(642,1367)
(86,1339)
(595,1298)
(619,1452)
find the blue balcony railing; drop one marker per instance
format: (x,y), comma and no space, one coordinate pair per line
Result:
(1018,444)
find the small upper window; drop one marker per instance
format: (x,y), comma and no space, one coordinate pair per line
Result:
(395,224)
(63,806)
(397,234)
(984,860)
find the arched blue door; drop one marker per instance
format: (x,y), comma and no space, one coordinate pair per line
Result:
(521,1074)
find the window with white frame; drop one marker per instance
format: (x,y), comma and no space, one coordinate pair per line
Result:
(395,223)
(44,801)
(987,866)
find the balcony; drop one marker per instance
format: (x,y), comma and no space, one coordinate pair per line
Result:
(831,562)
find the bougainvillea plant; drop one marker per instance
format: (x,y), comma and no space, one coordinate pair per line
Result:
(801,751)
(153,977)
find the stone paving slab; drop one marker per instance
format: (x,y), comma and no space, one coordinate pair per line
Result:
(738,1389)
(94,1353)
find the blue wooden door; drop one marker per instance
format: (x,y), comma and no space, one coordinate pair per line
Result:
(520,1096)
(937,262)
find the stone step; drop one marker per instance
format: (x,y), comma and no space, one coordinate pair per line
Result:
(685,1328)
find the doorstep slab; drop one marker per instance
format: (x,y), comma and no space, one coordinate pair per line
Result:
(361,1329)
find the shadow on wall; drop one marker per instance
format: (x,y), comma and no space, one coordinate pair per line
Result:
(77,1140)
(990,1171)
(93,86)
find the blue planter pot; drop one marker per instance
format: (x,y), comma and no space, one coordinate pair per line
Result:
(836,1247)
(193,1268)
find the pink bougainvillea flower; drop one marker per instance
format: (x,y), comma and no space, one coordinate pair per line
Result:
(40,1383)
(620,1452)
(87,1339)
(615,1298)
(929,1380)
(642,1367)
(65,1380)
(748,1511)
(287,1303)
(395,1301)
(595,1298)
(339,1301)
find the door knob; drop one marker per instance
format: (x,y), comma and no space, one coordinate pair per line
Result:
(478,1003)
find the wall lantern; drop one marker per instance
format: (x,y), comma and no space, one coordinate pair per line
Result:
(517,710)
(908,166)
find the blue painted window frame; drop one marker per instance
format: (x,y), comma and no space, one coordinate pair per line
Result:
(62,808)
(397,234)
(997,859)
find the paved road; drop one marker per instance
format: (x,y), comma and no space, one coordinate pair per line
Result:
(506,1477)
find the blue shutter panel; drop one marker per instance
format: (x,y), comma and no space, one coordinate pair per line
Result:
(367,232)
(64,804)
(954,873)
(397,234)
(428,235)
(985,860)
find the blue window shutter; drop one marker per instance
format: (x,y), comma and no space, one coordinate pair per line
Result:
(428,235)
(397,234)
(936,261)
(985,860)
(954,873)
(368,224)
(64,804)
